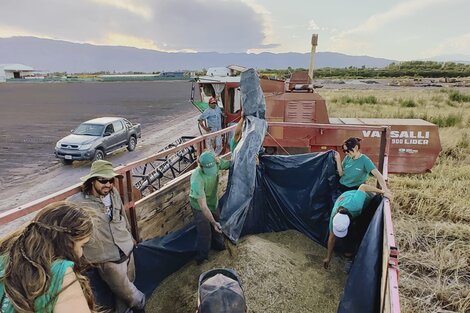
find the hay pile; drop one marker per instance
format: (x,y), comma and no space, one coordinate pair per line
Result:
(280,272)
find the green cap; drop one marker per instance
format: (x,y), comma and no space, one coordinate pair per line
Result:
(208,163)
(101,168)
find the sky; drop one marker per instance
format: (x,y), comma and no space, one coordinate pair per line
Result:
(393,29)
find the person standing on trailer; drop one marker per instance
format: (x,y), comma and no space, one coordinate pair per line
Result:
(111,245)
(204,203)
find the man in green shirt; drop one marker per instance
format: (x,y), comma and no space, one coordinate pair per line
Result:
(203,200)
(345,219)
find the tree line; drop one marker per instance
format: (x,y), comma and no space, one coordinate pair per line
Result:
(430,69)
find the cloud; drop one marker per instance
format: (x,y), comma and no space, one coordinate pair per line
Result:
(359,38)
(171,25)
(457,45)
(312,25)
(136,7)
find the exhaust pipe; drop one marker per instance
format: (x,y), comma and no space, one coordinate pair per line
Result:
(312,56)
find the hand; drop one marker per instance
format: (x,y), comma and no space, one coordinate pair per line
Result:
(337,156)
(388,195)
(326,263)
(217,227)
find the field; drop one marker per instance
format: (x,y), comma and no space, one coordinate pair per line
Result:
(431,212)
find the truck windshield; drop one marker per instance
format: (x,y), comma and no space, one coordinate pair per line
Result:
(89,130)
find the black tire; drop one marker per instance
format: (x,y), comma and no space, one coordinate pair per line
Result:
(67,162)
(132,143)
(99,155)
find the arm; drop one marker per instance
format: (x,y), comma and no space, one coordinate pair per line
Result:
(368,188)
(380,179)
(223,164)
(208,215)
(238,129)
(331,245)
(72,296)
(203,125)
(339,165)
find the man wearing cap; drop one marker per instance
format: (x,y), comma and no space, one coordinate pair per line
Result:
(203,200)
(213,117)
(220,291)
(345,218)
(110,247)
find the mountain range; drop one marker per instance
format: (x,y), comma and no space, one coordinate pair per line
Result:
(63,56)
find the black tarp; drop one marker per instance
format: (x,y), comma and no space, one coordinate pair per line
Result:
(289,192)
(362,289)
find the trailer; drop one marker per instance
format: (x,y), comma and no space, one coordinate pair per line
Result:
(162,217)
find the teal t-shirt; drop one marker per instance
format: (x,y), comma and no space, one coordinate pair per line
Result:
(356,171)
(203,185)
(46,302)
(233,144)
(353,200)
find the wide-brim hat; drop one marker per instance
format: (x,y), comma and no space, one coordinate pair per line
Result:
(220,291)
(101,168)
(208,163)
(340,225)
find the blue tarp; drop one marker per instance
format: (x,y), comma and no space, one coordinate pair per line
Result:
(290,192)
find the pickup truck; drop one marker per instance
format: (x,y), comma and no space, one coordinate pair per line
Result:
(94,139)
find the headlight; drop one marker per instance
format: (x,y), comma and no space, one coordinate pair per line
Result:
(57,145)
(85,147)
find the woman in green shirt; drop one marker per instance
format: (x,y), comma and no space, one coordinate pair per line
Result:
(356,167)
(41,263)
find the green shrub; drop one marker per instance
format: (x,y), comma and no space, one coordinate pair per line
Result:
(455,95)
(407,103)
(444,120)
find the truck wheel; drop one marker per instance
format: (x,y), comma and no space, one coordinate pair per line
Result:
(67,162)
(132,143)
(99,155)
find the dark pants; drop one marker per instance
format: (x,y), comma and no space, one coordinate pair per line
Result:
(206,235)
(359,226)
(343,188)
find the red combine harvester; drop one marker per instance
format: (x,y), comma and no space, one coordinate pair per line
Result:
(415,143)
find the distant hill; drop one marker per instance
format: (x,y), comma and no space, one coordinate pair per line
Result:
(64,56)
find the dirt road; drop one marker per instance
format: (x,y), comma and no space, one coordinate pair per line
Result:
(35,115)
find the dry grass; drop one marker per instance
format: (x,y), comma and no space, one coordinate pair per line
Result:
(280,272)
(431,211)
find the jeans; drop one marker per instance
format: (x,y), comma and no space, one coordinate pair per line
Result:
(119,277)
(206,235)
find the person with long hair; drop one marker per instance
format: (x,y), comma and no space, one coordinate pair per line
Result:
(41,263)
(111,245)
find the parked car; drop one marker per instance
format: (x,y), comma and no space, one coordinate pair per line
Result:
(94,139)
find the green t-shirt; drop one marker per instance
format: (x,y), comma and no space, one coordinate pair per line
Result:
(353,200)
(233,144)
(203,185)
(356,171)
(46,302)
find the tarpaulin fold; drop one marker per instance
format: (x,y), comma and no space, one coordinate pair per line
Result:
(362,289)
(241,188)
